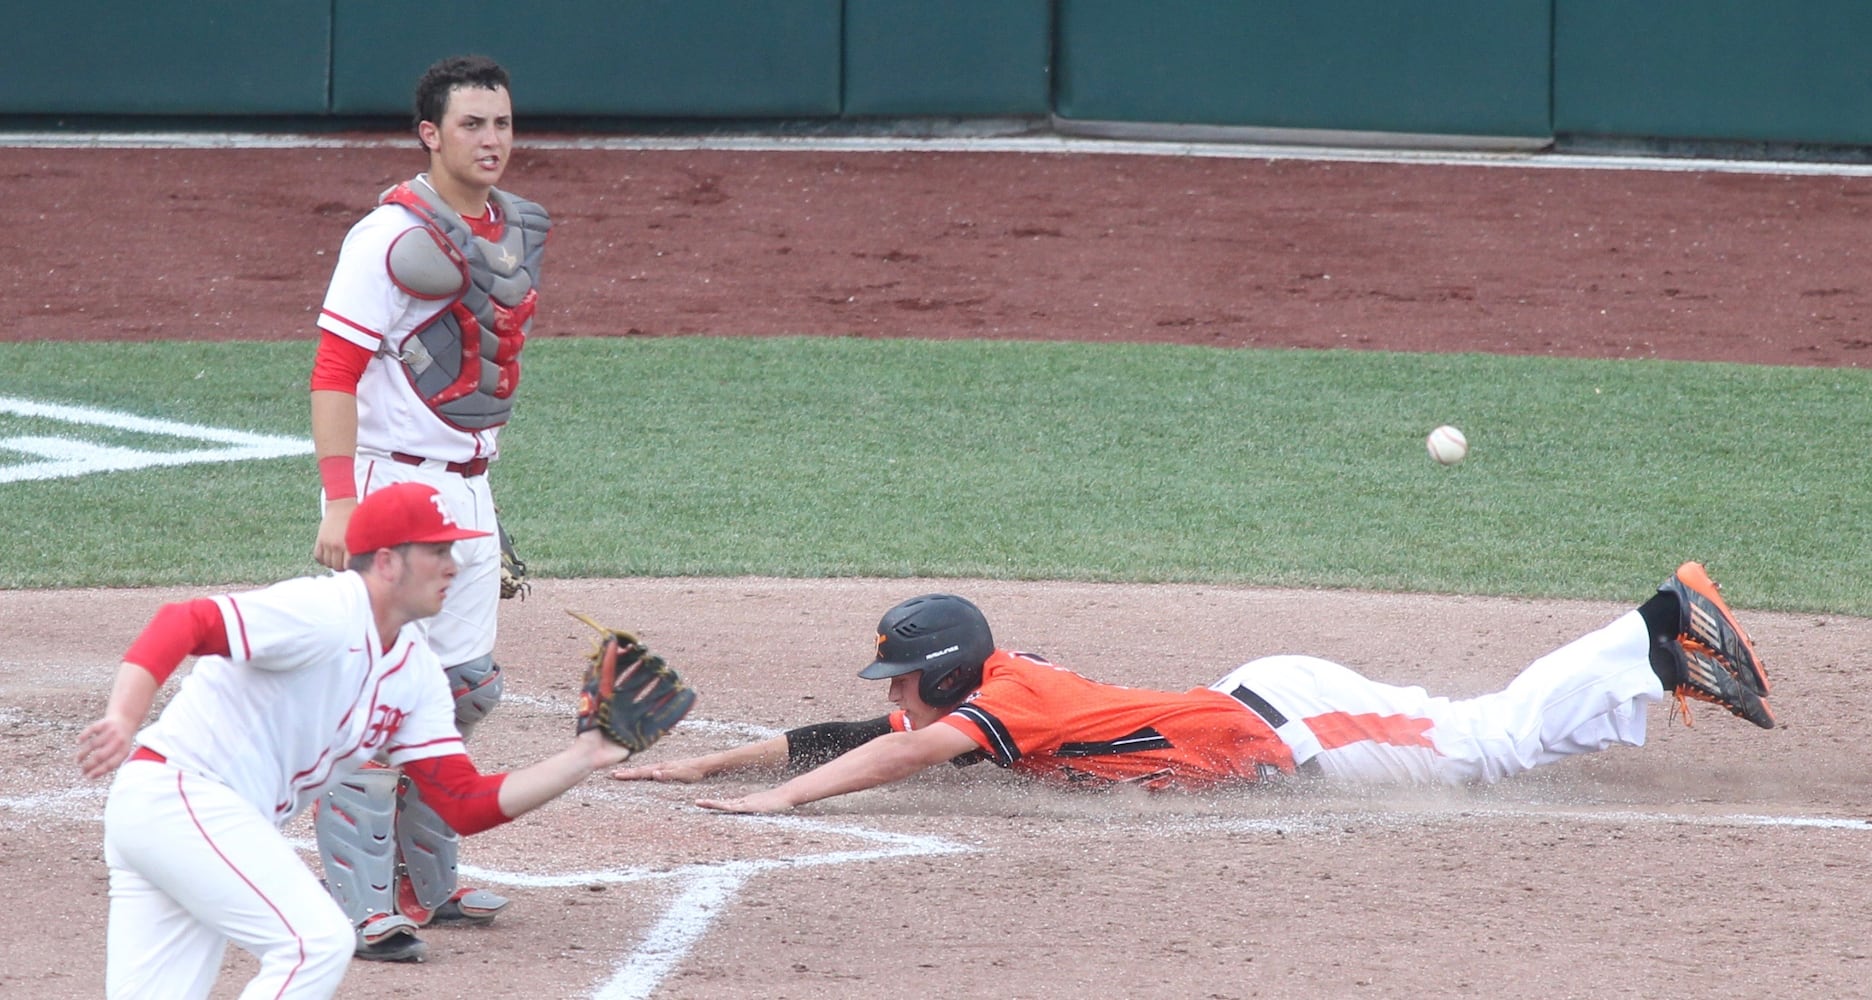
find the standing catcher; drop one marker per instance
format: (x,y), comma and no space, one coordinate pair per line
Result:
(299,685)
(429,305)
(962,699)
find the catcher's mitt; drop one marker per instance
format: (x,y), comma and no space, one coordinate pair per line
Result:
(628,692)
(513,581)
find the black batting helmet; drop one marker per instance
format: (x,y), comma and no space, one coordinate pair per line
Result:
(944,636)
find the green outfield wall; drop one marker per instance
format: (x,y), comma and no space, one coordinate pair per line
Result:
(1535,70)
(1458,66)
(620,58)
(1715,69)
(189,57)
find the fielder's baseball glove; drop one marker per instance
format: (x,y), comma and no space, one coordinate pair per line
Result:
(628,692)
(513,581)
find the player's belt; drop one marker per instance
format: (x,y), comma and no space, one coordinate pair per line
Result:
(472,467)
(145,753)
(1294,733)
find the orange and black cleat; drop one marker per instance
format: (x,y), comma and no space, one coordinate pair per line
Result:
(1717,658)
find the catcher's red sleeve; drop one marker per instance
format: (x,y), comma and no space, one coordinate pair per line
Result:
(339,365)
(467,800)
(176,631)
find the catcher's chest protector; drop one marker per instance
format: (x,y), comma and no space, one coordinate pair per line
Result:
(465,363)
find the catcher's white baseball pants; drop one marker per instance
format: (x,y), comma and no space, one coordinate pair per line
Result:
(1588,695)
(194,866)
(464,629)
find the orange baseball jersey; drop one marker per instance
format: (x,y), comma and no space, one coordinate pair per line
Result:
(1036,718)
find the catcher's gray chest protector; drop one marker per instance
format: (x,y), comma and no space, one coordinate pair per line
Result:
(465,363)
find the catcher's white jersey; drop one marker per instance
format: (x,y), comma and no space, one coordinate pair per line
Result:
(306,697)
(365,307)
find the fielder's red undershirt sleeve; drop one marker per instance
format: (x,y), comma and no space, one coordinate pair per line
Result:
(339,364)
(178,631)
(467,800)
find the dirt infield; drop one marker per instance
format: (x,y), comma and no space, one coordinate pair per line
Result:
(1718,860)
(203,244)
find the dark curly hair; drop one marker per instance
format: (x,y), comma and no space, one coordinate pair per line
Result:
(432,91)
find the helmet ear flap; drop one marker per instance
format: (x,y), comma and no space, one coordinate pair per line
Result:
(948,688)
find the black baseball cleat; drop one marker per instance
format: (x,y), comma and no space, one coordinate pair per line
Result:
(389,938)
(470,906)
(1715,660)
(1708,620)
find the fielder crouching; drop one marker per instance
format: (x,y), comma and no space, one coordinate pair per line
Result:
(298,686)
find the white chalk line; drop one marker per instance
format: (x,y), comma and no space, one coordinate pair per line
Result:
(1338,821)
(65,457)
(65,802)
(705,891)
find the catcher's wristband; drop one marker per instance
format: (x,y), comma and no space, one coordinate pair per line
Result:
(338,477)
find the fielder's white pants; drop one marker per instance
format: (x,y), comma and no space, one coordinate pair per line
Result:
(194,866)
(1588,695)
(464,629)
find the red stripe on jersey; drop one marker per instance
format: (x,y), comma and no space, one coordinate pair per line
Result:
(399,747)
(240,622)
(320,771)
(1338,729)
(178,630)
(216,848)
(359,327)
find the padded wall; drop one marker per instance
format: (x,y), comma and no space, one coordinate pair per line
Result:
(1463,67)
(622,58)
(178,57)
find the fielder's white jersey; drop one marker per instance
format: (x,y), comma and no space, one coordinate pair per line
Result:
(365,307)
(306,697)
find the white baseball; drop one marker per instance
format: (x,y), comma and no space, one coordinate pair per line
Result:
(1447,445)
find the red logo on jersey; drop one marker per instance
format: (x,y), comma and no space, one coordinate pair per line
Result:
(387,721)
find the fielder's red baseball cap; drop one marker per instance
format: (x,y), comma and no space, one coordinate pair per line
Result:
(402,513)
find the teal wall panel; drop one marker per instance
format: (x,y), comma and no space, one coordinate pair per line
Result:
(623,58)
(1715,70)
(957,57)
(1693,70)
(182,57)
(1464,67)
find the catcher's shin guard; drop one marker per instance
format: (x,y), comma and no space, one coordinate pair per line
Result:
(477,687)
(355,825)
(428,849)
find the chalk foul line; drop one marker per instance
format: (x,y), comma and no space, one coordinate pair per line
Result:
(706,891)
(66,457)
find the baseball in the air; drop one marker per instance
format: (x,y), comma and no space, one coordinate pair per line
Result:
(1447,445)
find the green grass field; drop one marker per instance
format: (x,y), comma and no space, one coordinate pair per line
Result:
(838,456)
